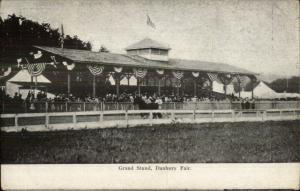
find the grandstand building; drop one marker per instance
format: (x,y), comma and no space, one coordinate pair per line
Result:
(146,67)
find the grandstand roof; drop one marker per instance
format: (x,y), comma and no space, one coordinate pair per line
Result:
(104,58)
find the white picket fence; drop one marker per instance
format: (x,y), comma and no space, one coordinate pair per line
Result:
(125,118)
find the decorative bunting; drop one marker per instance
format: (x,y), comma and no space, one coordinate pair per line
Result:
(118,69)
(69,66)
(213,77)
(53,59)
(160,71)
(19,60)
(36,69)
(240,79)
(95,69)
(139,72)
(7,72)
(196,74)
(37,55)
(225,78)
(178,74)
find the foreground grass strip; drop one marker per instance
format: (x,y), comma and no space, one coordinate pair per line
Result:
(244,142)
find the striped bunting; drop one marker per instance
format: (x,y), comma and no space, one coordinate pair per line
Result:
(240,79)
(95,69)
(178,74)
(139,72)
(118,69)
(226,78)
(69,66)
(36,69)
(196,74)
(213,77)
(160,71)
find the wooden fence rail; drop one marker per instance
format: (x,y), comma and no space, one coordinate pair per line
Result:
(129,117)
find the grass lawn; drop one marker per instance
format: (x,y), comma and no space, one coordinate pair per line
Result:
(176,143)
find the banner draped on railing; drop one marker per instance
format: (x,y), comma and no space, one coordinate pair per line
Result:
(178,74)
(118,69)
(139,72)
(69,66)
(196,74)
(225,78)
(95,69)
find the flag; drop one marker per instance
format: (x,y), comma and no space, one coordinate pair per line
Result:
(150,23)
(61,38)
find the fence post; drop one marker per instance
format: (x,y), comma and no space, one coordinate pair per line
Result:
(66,106)
(280,114)
(16,120)
(174,106)
(233,115)
(46,119)
(83,106)
(74,119)
(172,115)
(265,115)
(151,118)
(126,117)
(194,114)
(101,116)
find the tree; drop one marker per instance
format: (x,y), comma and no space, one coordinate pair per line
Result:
(103,49)
(18,35)
(291,85)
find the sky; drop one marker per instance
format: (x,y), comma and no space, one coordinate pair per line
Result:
(259,35)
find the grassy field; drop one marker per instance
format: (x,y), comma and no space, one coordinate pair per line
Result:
(176,143)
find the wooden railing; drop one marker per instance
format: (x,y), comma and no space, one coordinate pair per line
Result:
(128,117)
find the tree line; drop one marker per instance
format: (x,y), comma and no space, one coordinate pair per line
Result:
(18,35)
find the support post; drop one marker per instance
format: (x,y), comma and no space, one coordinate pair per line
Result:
(195,87)
(139,87)
(94,86)
(158,87)
(69,83)
(239,89)
(118,85)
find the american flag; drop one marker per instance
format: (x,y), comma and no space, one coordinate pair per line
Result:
(150,23)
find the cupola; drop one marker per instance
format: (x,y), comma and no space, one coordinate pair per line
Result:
(149,49)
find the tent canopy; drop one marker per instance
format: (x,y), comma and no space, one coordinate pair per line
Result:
(23,76)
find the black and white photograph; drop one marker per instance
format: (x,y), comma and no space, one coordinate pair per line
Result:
(195,94)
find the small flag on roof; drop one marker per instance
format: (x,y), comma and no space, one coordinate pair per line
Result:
(150,23)
(61,38)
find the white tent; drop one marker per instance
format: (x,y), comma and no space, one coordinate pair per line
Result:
(261,91)
(24,76)
(13,84)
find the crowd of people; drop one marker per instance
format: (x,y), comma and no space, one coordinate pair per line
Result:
(144,101)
